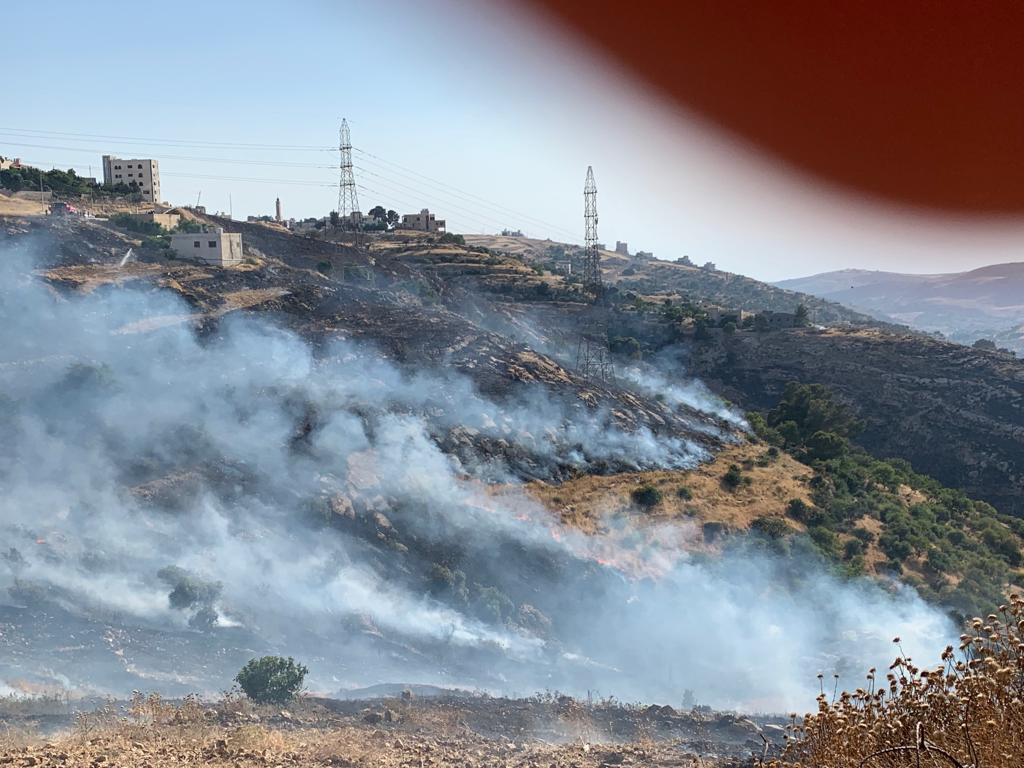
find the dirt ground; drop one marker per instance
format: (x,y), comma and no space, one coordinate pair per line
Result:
(548,732)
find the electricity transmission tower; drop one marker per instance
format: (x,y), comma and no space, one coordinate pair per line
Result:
(592,359)
(348,202)
(591,257)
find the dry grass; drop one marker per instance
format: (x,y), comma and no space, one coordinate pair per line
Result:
(17,206)
(157,734)
(967,711)
(588,501)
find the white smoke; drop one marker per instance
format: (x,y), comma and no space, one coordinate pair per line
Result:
(243,438)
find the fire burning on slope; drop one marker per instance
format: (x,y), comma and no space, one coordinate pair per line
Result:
(244,491)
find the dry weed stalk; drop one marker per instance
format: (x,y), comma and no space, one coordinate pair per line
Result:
(967,712)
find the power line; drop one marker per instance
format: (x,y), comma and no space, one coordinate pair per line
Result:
(393,183)
(460,216)
(305,182)
(445,202)
(174,142)
(466,225)
(503,208)
(163,156)
(439,192)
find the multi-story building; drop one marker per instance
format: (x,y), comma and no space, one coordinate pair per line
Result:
(424,221)
(213,246)
(143,174)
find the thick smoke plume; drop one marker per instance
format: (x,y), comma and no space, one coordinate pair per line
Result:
(240,493)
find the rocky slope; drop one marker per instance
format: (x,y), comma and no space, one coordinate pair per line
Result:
(955,413)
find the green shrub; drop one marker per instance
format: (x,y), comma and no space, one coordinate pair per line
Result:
(970,548)
(853,548)
(825,445)
(646,496)
(733,478)
(684,492)
(490,604)
(133,224)
(625,345)
(771,526)
(271,679)
(445,582)
(824,539)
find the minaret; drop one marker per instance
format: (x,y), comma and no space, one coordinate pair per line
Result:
(277,210)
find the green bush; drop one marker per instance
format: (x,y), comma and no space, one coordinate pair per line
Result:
(133,224)
(966,550)
(271,679)
(684,492)
(771,526)
(853,548)
(625,345)
(646,496)
(806,409)
(733,478)
(490,604)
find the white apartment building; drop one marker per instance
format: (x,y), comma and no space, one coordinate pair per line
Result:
(215,247)
(145,174)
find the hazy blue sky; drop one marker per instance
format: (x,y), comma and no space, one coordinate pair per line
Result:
(505,113)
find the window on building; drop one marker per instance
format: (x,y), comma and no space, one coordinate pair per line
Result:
(195,244)
(212,243)
(140,165)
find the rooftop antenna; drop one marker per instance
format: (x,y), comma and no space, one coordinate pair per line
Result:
(348,202)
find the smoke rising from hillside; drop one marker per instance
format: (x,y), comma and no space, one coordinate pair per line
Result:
(241,492)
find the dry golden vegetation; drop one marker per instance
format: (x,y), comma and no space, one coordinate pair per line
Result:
(154,733)
(770,482)
(966,712)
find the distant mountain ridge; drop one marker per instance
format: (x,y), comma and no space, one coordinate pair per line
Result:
(987,302)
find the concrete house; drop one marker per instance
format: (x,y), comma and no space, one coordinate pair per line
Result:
(145,174)
(215,247)
(424,221)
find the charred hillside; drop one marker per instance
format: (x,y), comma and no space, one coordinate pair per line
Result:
(380,455)
(953,412)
